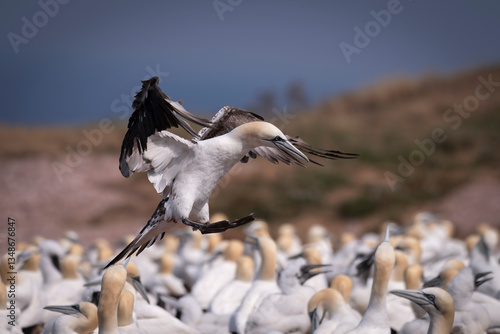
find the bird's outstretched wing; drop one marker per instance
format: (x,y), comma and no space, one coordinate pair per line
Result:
(162,159)
(153,112)
(226,120)
(229,118)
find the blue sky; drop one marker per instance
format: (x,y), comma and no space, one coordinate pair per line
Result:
(82,61)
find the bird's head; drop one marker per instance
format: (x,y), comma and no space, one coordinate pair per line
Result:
(432,300)
(266,134)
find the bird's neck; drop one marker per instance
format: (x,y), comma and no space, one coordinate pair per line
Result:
(268,267)
(230,148)
(440,324)
(126,309)
(377,307)
(107,313)
(88,325)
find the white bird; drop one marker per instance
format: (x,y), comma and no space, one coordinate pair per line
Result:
(229,297)
(30,295)
(400,310)
(314,257)
(286,311)
(114,287)
(113,281)
(288,243)
(264,285)
(448,271)
(437,303)
(192,315)
(318,236)
(343,284)
(330,313)
(360,269)
(345,255)
(482,260)
(70,289)
(375,319)
(413,281)
(80,318)
(165,280)
(51,252)
(192,257)
(470,317)
(207,286)
(186,172)
(412,249)
(149,318)
(125,313)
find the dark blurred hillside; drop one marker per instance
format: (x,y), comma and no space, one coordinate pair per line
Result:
(416,153)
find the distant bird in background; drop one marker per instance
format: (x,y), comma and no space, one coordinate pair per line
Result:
(186,172)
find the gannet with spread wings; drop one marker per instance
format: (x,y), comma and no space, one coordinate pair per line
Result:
(186,172)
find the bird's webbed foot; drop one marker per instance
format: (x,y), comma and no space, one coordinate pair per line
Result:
(219,226)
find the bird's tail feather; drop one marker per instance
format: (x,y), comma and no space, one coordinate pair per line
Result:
(149,234)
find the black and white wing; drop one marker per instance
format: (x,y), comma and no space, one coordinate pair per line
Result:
(226,120)
(153,231)
(229,118)
(153,112)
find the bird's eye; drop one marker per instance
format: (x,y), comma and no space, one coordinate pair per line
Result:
(277,138)
(432,298)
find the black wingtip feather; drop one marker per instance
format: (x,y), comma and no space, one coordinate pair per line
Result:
(154,112)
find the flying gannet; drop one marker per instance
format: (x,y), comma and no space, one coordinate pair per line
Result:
(186,172)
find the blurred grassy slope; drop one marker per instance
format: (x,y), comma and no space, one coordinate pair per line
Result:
(380,122)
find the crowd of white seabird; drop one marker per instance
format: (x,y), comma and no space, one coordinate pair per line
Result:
(412,279)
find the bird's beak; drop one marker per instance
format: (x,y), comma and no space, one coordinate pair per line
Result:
(296,256)
(24,256)
(214,256)
(66,309)
(482,278)
(415,296)
(315,320)
(436,281)
(286,147)
(136,282)
(94,282)
(252,241)
(307,271)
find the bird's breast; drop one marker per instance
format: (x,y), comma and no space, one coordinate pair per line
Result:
(211,160)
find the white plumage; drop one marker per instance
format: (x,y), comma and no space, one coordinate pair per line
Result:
(186,172)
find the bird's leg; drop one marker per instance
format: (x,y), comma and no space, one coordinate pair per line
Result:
(219,226)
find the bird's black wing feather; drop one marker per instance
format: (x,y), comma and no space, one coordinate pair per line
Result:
(226,120)
(153,111)
(319,152)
